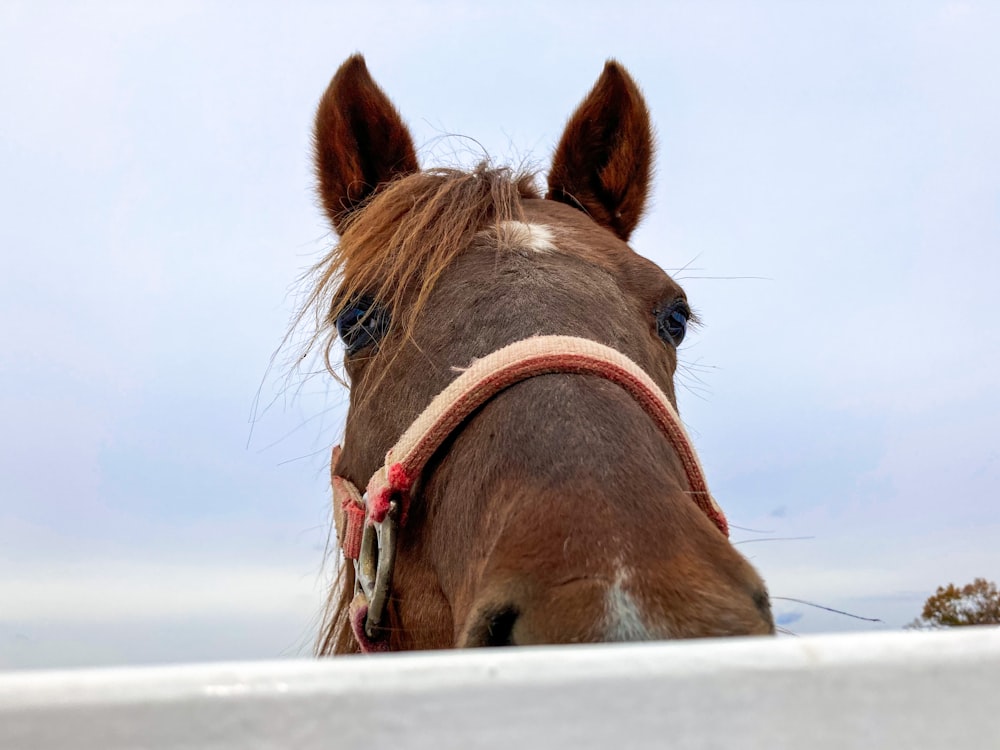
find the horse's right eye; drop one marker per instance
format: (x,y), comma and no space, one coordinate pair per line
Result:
(362,324)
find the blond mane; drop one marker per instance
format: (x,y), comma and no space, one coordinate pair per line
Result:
(407,234)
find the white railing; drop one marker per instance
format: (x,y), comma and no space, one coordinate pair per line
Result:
(878,690)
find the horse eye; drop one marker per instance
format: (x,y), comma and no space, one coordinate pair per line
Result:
(362,324)
(672,322)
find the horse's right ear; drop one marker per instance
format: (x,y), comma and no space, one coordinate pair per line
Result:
(361,141)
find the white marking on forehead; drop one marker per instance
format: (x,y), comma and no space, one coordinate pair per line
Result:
(622,614)
(520,235)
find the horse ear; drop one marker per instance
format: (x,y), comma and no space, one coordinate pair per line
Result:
(361,141)
(604,161)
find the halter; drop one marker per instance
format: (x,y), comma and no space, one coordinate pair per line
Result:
(367,525)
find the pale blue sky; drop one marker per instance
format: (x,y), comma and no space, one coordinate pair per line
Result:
(158,208)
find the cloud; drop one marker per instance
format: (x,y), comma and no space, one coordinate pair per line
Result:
(141,611)
(106,591)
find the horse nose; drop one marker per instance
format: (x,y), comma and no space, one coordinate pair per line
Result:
(493,627)
(566,612)
(590,609)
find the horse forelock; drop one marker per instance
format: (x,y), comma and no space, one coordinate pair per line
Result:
(398,244)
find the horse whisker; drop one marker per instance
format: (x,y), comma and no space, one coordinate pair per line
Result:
(828,609)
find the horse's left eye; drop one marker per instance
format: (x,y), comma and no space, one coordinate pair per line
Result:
(362,324)
(672,322)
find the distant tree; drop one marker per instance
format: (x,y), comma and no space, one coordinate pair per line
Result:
(977,603)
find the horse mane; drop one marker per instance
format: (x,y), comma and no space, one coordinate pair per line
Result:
(395,245)
(402,238)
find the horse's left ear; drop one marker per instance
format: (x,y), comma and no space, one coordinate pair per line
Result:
(604,160)
(361,141)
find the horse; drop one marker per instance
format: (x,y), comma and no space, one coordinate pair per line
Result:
(512,407)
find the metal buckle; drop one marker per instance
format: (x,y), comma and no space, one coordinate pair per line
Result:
(374,567)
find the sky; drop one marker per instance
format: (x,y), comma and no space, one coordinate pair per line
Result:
(827,191)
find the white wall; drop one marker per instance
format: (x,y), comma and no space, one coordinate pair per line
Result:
(881,690)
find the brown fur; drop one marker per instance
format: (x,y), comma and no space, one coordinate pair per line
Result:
(604,161)
(561,488)
(360,141)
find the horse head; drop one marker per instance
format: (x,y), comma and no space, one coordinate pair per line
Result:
(555,509)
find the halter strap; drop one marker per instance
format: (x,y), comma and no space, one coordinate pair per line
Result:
(393,482)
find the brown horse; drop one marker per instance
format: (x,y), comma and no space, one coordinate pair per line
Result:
(554,510)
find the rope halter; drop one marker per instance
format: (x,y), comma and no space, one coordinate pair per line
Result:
(367,525)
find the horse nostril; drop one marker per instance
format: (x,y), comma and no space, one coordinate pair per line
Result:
(498,627)
(763,602)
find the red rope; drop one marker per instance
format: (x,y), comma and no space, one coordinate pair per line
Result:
(395,479)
